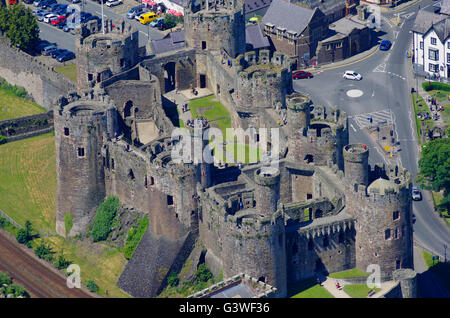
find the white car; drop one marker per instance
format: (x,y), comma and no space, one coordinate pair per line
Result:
(112,3)
(416,195)
(48,17)
(138,16)
(352,75)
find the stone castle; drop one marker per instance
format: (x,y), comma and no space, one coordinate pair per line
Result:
(325,209)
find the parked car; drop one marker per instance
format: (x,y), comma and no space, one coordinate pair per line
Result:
(48,3)
(40,17)
(163,27)
(148,17)
(75,1)
(37,12)
(301,74)
(113,3)
(37,3)
(48,49)
(58,20)
(352,75)
(157,22)
(131,14)
(66,57)
(49,16)
(53,7)
(385,45)
(41,45)
(416,195)
(62,25)
(84,16)
(57,53)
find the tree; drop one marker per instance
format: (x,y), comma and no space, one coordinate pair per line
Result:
(173,279)
(44,251)
(92,286)
(170,20)
(22,236)
(434,168)
(62,263)
(19,25)
(203,274)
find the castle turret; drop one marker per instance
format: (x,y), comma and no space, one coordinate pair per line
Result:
(80,128)
(408,282)
(383,212)
(356,164)
(101,56)
(216,25)
(298,118)
(267,192)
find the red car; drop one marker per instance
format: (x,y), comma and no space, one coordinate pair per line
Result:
(58,20)
(301,74)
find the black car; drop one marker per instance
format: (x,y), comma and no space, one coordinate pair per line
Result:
(65,56)
(61,25)
(47,4)
(53,7)
(163,27)
(57,53)
(38,48)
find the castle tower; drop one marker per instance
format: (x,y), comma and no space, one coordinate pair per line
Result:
(383,214)
(408,282)
(356,164)
(215,25)
(80,128)
(267,192)
(200,153)
(298,118)
(101,56)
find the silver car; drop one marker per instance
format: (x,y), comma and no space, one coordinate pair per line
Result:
(416,195)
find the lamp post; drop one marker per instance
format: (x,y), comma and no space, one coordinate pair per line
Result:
(103,21)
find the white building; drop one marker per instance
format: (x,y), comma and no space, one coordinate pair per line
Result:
(431,44)
(177,5)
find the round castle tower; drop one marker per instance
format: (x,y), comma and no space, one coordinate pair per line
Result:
(80,128)
(101,56)
(215,25)
(298,117)
(383,214)
(356,164)
(408,282)
(254,239)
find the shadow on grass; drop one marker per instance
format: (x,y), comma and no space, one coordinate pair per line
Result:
(298,287)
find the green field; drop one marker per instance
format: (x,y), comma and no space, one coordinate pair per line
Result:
(12,106)
(28,181)
(420,107)
(308,289)
(349,273)
(212,109)
(28,192)
(69,71)
(358,290)
(437,197)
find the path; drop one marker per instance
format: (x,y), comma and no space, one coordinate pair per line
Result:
(330,285)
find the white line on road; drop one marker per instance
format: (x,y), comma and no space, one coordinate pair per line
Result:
(395,34)
(144,33)
(354,129)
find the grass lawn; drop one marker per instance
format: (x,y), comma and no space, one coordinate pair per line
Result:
(28,192)
(420,107)
(349,273)
(28,181)
(308,289)
(12,106)
(358,290)
(428,258)
(439,95)
(69,71)
(97,261)
(212,109)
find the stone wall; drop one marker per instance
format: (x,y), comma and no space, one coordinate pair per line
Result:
(42,83)
(27,126)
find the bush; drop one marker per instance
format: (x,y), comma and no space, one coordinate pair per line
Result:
(17,291)
(2,139)
(62,263)
(203,274)
(22,236)
(4,222)
(44,251)
(68,222)
(173,279)
(92,286)
(134,237)
(435,86)
(104,218)
(5,279)
(170,20)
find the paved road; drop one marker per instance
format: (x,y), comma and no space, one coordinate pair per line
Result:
(27,270)
(386,88)
(67,40)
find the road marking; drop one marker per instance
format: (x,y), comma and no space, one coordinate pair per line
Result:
(144,33)
(395,34)
(378,118)
(354,129)
(380,68)
(373,93)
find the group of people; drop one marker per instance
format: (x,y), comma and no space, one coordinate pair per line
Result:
(435,108)
(184,108)
(198,122)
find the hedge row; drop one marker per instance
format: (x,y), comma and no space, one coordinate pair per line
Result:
(104,218)
(431,86)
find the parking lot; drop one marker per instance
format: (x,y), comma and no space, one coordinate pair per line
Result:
(66,40)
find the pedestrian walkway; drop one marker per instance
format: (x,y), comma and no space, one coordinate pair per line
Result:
(330,285)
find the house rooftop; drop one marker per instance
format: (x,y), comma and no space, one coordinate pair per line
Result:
(424,20)
(172,41)
(255,37)
(287,15)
